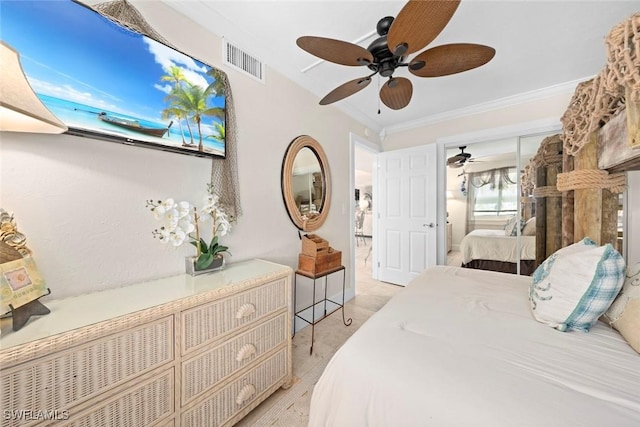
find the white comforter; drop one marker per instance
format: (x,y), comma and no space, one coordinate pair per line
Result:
(460,348)
(495,246)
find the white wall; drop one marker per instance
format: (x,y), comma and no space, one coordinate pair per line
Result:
(81,202)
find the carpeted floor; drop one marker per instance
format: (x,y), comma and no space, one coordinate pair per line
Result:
(290,408)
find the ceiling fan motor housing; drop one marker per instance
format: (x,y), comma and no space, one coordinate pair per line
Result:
(383,59)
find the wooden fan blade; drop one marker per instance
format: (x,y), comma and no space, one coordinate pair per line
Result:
(418,23)
(451,59)
(454,159)
(337,51)
(396,93)
(347,89)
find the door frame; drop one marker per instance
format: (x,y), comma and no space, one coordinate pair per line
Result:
(361,142)
(511,131)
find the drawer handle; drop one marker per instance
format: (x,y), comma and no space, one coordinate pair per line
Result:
(245,310)
(246,352)
(245,394)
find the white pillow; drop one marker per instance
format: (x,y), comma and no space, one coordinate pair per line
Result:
(529,228)
(624,313)
(574,286)
(510,228)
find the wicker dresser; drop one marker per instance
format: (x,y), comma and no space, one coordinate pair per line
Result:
(181,351)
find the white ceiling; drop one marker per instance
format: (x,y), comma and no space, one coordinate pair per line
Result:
(540,46)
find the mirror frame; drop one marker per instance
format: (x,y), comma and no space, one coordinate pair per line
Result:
(305,141)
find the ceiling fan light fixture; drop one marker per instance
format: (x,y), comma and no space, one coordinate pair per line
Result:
(386,68)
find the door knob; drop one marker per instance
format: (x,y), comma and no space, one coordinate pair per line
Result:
(430,225)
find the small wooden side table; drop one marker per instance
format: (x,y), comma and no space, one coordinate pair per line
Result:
(336,305)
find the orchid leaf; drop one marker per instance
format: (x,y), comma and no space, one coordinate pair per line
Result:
(203,246)
(204,261)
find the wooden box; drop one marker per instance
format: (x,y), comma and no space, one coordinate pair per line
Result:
(324,260)
(312,244)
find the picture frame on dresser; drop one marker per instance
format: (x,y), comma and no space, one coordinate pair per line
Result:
(21,284)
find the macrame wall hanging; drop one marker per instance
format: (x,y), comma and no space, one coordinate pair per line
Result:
(224,172)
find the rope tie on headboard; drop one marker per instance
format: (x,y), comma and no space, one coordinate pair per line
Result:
(591,179)
(548,191)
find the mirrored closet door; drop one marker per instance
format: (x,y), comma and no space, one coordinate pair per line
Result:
(490,204)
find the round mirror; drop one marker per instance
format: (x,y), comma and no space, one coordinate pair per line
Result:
(306,186)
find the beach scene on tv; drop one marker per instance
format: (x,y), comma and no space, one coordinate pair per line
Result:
(100,77)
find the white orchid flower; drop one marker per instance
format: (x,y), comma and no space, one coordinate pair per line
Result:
(177,237)
(168,204)
(186,224)
(159,211)
(171,225)
(223,227)
(183,208)
(171,215)
(171,219)
(164,234)
(209,204)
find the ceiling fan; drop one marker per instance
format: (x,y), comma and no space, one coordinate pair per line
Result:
(418,24)
(459,159)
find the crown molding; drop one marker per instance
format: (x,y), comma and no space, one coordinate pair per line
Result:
(509,101)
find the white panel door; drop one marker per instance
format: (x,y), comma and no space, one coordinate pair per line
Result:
(406,213)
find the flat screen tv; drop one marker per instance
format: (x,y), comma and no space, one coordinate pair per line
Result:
(106,81)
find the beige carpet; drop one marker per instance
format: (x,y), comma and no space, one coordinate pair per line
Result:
(290,408)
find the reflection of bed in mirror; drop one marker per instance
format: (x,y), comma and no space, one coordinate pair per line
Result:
(494,250)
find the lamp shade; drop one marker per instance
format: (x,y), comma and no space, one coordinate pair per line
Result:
(20,108)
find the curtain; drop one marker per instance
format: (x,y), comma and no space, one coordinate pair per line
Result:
(496,179)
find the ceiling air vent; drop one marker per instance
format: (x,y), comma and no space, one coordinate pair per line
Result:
(237,58)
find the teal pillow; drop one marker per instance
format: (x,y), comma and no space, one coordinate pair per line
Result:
(574,286)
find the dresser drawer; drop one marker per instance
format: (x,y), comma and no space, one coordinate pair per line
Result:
(140,405)
(206,323)
(235,397)
(205,370)
(60,382)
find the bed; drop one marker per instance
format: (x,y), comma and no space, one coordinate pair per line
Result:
(459,347)
(493,250)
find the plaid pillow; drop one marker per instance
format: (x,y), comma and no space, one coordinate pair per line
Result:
(574,286)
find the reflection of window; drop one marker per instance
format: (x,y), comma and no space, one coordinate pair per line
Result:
(494,192)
